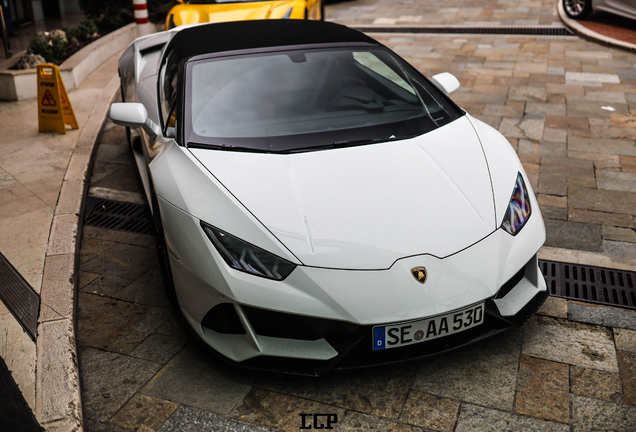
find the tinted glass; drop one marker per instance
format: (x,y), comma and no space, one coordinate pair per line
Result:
(309,98)
(168,82)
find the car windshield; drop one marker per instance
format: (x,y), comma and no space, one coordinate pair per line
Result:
(309,99)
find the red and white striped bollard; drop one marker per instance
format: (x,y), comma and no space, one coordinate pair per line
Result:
(141,18)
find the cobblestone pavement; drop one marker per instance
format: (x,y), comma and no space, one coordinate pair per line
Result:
(568,108)
(446,12)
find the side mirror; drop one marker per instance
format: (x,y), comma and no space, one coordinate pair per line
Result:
(133,115)
(446,82)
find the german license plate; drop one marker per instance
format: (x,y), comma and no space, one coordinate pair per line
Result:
(407,333)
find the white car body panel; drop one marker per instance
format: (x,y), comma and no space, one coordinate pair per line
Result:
(625,8)
(503,165)
(365,207)
(181,180)
(354,220)
(360,297)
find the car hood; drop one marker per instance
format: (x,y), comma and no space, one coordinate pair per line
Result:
(192,14)
(365,207)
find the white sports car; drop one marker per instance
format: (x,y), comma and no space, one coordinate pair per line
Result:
(579,9)
(319,203)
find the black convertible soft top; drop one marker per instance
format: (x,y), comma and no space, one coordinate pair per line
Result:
(252,35)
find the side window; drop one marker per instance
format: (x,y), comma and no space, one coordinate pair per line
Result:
(373,63)
(168,96)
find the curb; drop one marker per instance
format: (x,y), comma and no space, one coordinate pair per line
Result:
(590,34)
(58,398)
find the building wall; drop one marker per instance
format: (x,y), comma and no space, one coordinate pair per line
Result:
(38,13)
(68,7)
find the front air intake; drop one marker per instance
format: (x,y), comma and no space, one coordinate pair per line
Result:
(222,318)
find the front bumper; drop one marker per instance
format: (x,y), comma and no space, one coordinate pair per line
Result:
(356,352)
(354,300)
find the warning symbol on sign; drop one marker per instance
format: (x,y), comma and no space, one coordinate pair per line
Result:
(48,99)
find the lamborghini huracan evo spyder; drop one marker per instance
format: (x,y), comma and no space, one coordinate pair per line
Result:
(321,204)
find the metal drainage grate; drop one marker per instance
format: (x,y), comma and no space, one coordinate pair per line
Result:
(531,31)
(117,215)
(19,297)
(590,284)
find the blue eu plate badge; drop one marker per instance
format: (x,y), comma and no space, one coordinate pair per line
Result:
(378,338)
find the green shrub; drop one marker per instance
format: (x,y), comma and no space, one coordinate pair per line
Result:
(53,49)
(158,10)
(117,13)
(103,17)
(101,8)
(86,31)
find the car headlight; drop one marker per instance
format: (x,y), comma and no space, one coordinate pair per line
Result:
(246,257)
(519,210)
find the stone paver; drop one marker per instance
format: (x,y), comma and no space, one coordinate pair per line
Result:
(554,307)
(485,374)
(625,339)
(590,414)
(580,236)
(129,324)
(569,342)
(595,384)
(280,411)
(430,411)
(109,380)
(381,394)
(190,420)
(144,411)
(475,418)
(603,315)
(627,366)
(542,390)
(194,379)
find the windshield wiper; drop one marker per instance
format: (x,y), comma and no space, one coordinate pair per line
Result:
(339,144)
(227,147)
(333,145)
(347,143)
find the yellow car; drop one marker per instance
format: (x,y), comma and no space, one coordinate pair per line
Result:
(201,11)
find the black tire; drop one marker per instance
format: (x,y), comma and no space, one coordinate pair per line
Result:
(162,251)
(123,99)
(577,9)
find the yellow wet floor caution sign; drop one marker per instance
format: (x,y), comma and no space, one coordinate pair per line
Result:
(54,107)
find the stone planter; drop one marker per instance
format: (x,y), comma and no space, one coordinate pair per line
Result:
(22,84)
